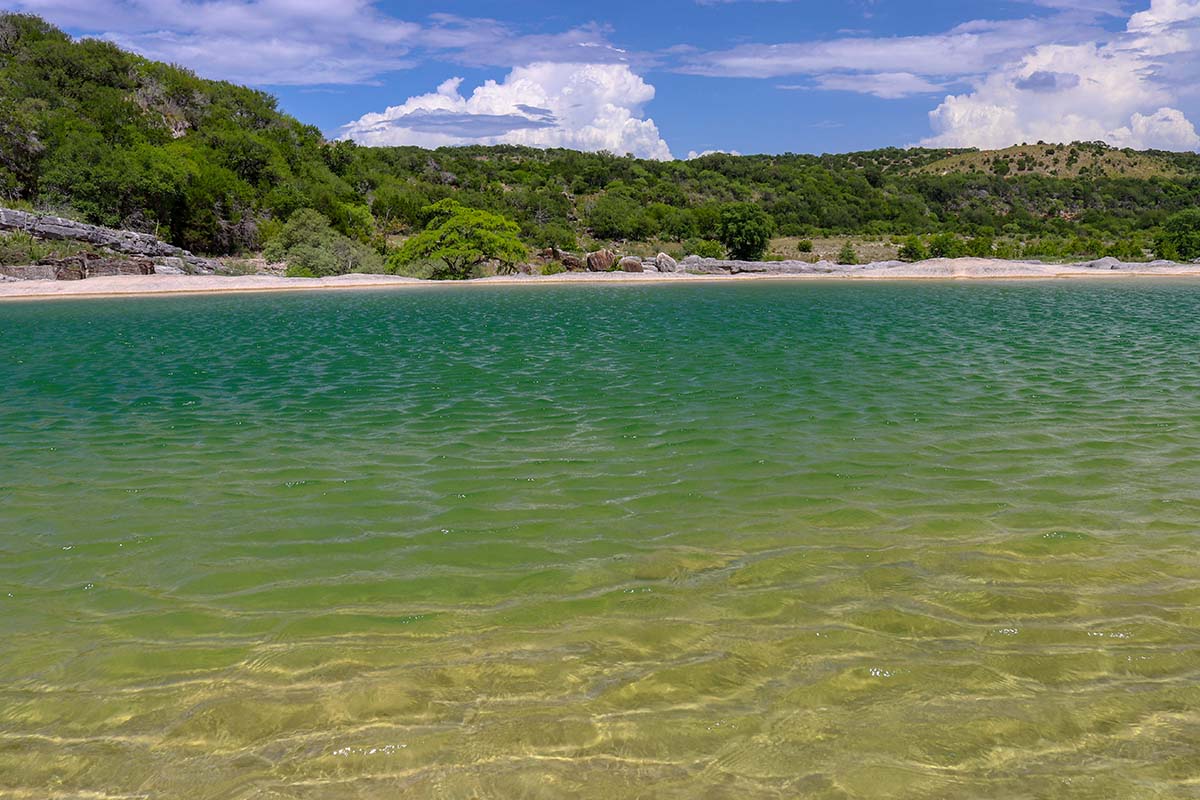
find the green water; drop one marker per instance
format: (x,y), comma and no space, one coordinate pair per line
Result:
(740,541)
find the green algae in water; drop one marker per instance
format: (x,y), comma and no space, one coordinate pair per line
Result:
(771,540)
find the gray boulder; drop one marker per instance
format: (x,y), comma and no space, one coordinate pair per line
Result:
(1108,262)
(664,263)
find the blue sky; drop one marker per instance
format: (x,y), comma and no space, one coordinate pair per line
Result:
(675,77)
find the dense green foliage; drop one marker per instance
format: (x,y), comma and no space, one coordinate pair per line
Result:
(97,133)
(118,140)
(705,248)
(462,239)
(745,230)
(913,249)
(1180,238)
(313,249)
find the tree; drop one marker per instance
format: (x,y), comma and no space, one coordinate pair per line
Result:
(745,230)
(1180,237)
(461,238)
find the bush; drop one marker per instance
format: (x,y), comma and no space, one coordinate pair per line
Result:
(946,245)
(705,248)
(804,246)
(847,255)
(553,268)
(422,268)
(981,247)
(912,249)
(745,230)
(313,249)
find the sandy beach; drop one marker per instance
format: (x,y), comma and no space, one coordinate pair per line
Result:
(969,269)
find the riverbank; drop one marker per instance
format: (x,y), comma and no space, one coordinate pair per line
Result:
(938,269)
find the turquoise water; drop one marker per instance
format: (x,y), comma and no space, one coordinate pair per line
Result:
(716,541)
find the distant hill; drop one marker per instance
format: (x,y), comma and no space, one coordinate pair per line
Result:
(1077,160)
(107,137)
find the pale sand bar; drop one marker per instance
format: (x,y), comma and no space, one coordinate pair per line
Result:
(939,269)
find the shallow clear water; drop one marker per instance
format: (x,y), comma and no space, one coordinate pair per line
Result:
(823,541)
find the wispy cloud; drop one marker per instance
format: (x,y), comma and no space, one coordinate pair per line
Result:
(301,42)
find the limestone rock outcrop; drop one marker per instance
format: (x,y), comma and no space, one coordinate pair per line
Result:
(128,242)
(631,264)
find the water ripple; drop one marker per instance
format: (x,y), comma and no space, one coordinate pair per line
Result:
(911,541)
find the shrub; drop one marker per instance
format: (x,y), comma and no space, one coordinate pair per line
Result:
(553,268)
(981,247)
(705,248)
(745,230)
(421,268)
(946,245)
(804,246)
(313,249)
(913,249)
(847,255)
(300,271)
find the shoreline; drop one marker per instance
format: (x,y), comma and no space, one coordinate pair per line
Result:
(969,270)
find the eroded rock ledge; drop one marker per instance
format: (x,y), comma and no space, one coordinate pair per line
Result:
(128,242)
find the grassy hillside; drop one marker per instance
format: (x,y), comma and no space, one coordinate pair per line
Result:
(108,137)
(1078,160)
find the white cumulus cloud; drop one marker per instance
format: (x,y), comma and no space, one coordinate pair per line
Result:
(579,106)
(1115,90)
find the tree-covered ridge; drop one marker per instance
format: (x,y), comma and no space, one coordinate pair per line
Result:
(97,133)
(121,141)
